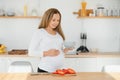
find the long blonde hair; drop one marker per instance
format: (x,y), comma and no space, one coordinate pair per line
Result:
(47,18)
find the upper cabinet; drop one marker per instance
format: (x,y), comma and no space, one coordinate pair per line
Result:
(99,9)
(20,9)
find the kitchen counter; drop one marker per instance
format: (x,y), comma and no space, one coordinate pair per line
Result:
(93,55)
(80,55)
(7,55)
(79,76)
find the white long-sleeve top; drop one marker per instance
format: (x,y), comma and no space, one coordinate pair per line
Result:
(43,41)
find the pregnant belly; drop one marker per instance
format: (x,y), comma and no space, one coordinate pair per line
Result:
(57,60)
(51,63)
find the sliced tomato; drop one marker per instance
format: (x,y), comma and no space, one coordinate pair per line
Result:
(54,73)
(71,71)
(60,72)
(65,71)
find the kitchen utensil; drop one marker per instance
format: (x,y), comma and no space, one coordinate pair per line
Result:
(83,48)
(39,73)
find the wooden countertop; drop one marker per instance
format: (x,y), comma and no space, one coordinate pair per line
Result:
(13,76)
(79,76)
(80,55)
(94,55)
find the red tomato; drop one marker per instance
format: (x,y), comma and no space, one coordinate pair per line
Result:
(54,73)
(71,71)
(65,71)
(60,72)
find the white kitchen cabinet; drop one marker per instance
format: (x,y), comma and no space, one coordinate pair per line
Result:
(90,64)
(33,61)
(101,62)
(71,63)
(6,61)
(81,64)
(3,65)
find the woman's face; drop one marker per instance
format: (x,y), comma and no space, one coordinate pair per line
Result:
(54,21)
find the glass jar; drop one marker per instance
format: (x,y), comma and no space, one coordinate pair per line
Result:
(34,12)
(100,11)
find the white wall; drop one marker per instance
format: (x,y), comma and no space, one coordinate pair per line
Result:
(102,33)
(16,33)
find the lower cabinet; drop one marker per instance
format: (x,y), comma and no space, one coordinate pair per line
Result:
(3,65)
(81,64)
(90,64)
(101,62)
(6,61)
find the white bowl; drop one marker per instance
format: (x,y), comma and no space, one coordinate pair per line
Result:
(69,44)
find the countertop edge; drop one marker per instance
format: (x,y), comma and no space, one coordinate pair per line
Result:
(80,55)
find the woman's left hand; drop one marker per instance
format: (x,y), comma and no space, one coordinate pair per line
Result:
(67,49)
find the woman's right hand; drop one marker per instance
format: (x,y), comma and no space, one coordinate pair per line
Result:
(51,52)
(67,49)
